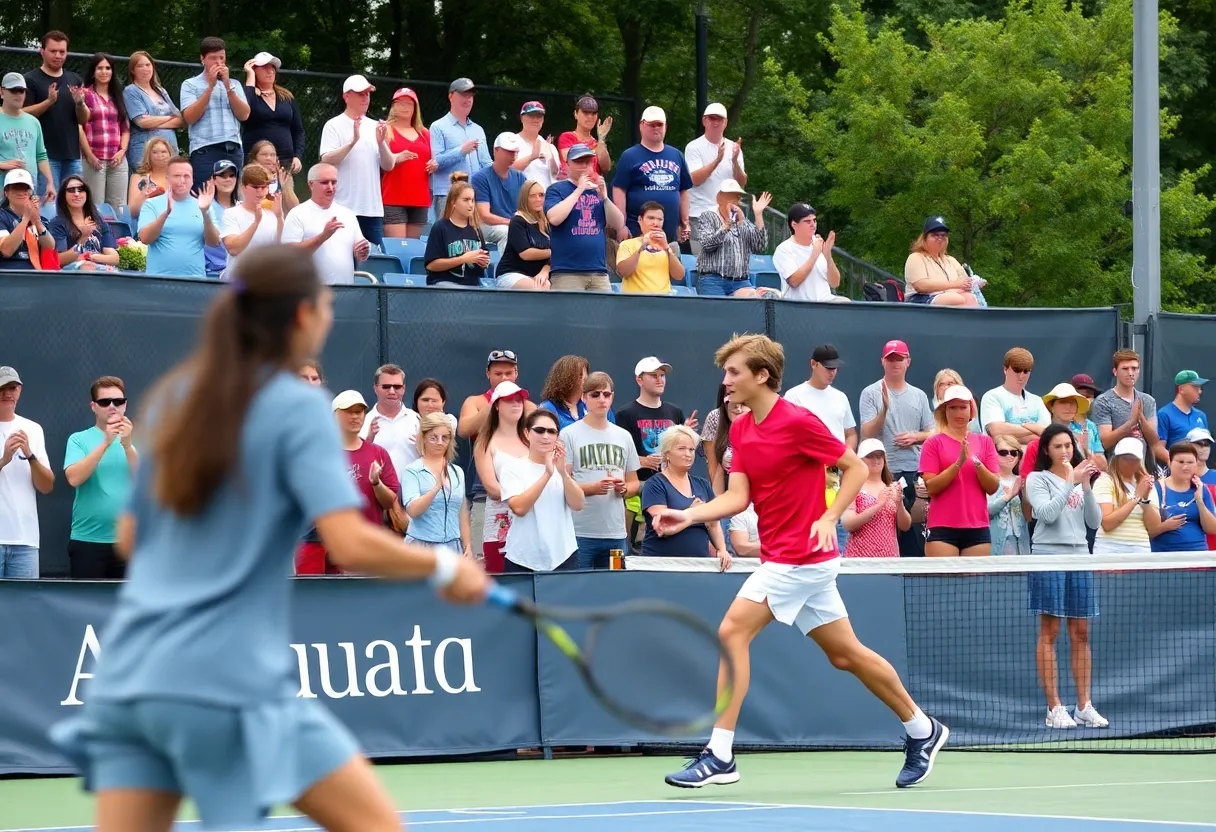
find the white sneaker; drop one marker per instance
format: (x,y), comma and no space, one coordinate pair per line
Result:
(1089,717)
(1058,717)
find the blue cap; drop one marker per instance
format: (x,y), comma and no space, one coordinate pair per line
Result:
(578,151)
(223,165)
(937,223)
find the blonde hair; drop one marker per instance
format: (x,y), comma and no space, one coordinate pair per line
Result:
(669,437)
(919,245)
(458,189)
(526,212)
(145,164)
(430,422)
(415,122)
(136,55)
(942,375)
(1006,441)
(759,353)
(1118,484)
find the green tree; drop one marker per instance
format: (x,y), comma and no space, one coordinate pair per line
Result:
(1018,130)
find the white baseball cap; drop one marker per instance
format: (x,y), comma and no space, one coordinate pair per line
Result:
(1129,446)
(1198,435)
(715,109)
(265,58)
(507,141)
(356,83)
(870,446)
(956,393)
(18,176)
(730,186)
(654,114)
(348,399)
(649,364)
(505,390)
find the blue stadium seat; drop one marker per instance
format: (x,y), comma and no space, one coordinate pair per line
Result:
(689,261)
(399,279)
(120,229)
(417,265)
(683,290)
(404,247)
(365,279)
(488,283)
(761,263)
(616,288)
(381,264)
(107,211)
(767,279)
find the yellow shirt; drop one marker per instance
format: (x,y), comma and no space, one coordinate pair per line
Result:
(653,273)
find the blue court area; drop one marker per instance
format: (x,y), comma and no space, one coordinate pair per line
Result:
(712,816)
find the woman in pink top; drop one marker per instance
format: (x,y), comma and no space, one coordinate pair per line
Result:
(104,137)
(879,508)
(960,470)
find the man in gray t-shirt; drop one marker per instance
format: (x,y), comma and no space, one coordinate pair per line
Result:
(603,460)
(898,413)
(1124,411)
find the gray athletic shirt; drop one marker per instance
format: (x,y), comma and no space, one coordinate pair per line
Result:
(909,411)
(205,613)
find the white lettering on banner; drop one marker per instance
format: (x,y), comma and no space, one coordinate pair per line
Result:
(90,646)
(380,680)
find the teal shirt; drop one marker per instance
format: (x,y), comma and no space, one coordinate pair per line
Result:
(100,498)
(21,138)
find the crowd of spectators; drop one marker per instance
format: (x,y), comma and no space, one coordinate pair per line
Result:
(566,483)
(559,215)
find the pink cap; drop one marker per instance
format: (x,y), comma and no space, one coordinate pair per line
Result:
(405,92)
(895,348)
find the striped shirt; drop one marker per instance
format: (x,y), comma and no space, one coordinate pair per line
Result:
(727,249)
(218,124)
(1130,536)
(103,131)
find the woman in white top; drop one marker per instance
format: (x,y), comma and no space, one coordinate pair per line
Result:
(541,494)
(250,224)
(745,533)
(1131,513)
(501,440)
(932,276)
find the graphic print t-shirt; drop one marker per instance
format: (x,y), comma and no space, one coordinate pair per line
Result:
(645,175)
(578,244)
(449,240)
(646,425)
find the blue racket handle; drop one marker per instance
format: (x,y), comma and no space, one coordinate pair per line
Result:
(501,596)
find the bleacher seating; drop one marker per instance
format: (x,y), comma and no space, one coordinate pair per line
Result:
(399,279)
(365,279)
(379,265)
(107,211)
(120,229)
(404,248)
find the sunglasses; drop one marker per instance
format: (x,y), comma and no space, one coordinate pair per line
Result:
(76,189)
(545,431)
(503,355)
(109,402)
(436,439)
(596,394)
(392,386)
(1007,452)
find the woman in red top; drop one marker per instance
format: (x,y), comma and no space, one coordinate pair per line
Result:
(406,189)
(586,119)
(878,509)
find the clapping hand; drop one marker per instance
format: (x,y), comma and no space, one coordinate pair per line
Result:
(373,429)
(126,431)
(373,473)
(381,132)
(830,242)
(362,250)
(964,450)
(206,195)
(77,94)
(761,202)
(11,446)
(1145,486)
(738,149)
(87,229)
(52,92)
(277,204)
(602,128)
(1014,488)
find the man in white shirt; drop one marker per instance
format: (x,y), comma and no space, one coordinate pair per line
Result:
(1009,410)
(24,470)
(358,147)
(804,261)
(712,159)
(819,396)
(390,424)
(329,230)
(538,158)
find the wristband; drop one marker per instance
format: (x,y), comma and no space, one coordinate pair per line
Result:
(447,561)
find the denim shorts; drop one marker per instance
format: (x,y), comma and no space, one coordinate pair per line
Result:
(235,762)
(715,285)
(1062,594)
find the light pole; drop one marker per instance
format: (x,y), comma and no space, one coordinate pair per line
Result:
(1146,169)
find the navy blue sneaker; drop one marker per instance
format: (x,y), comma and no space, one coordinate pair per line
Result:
(704,770)
(919,755)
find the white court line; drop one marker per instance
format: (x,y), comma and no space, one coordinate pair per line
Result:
(1192,823)
(1037,788)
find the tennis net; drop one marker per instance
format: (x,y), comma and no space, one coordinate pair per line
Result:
(973,631)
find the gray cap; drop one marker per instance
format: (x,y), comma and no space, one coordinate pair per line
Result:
(461,85)
(9,376)
(13,81)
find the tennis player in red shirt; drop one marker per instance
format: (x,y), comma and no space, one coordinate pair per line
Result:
(780,451)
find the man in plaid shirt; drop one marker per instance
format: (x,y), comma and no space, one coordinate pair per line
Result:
(214,116)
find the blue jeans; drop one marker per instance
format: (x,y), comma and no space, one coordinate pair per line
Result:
(59,169)
(719,286)
(203,161)
(373,230)
(18,561)
(594,552)
(842,536)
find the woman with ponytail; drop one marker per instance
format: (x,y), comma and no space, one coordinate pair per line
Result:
(195,695)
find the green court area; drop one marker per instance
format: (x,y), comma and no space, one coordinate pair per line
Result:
(978,790)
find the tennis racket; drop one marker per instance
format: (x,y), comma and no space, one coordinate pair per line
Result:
(655,625)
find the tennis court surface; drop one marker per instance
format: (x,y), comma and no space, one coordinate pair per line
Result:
(843,791)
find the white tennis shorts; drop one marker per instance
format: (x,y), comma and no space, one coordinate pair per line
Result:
(803,596)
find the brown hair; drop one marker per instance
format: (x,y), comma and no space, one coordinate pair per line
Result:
(598,381)
(886,477)
(257,148)
(538,414)
(387,369)
(565,379)
(145,164)
(759,352)
(490,426)
(316,365)
(180,160)
(1019,358)
(211,44)
(203,402)
(1183,448)
(141,53)
(430,384)
(106,381)
(457,190)
(1123,356)
(256,175)
(525,211)
(54,34)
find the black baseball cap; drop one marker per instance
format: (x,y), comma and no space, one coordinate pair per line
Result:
(798,212)
(937,223)
(827,355)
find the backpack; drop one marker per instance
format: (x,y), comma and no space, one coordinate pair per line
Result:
(889,291)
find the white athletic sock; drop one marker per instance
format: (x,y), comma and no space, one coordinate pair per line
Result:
(919,727)
(720,742)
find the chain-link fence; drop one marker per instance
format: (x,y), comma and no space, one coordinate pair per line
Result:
(319,95)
